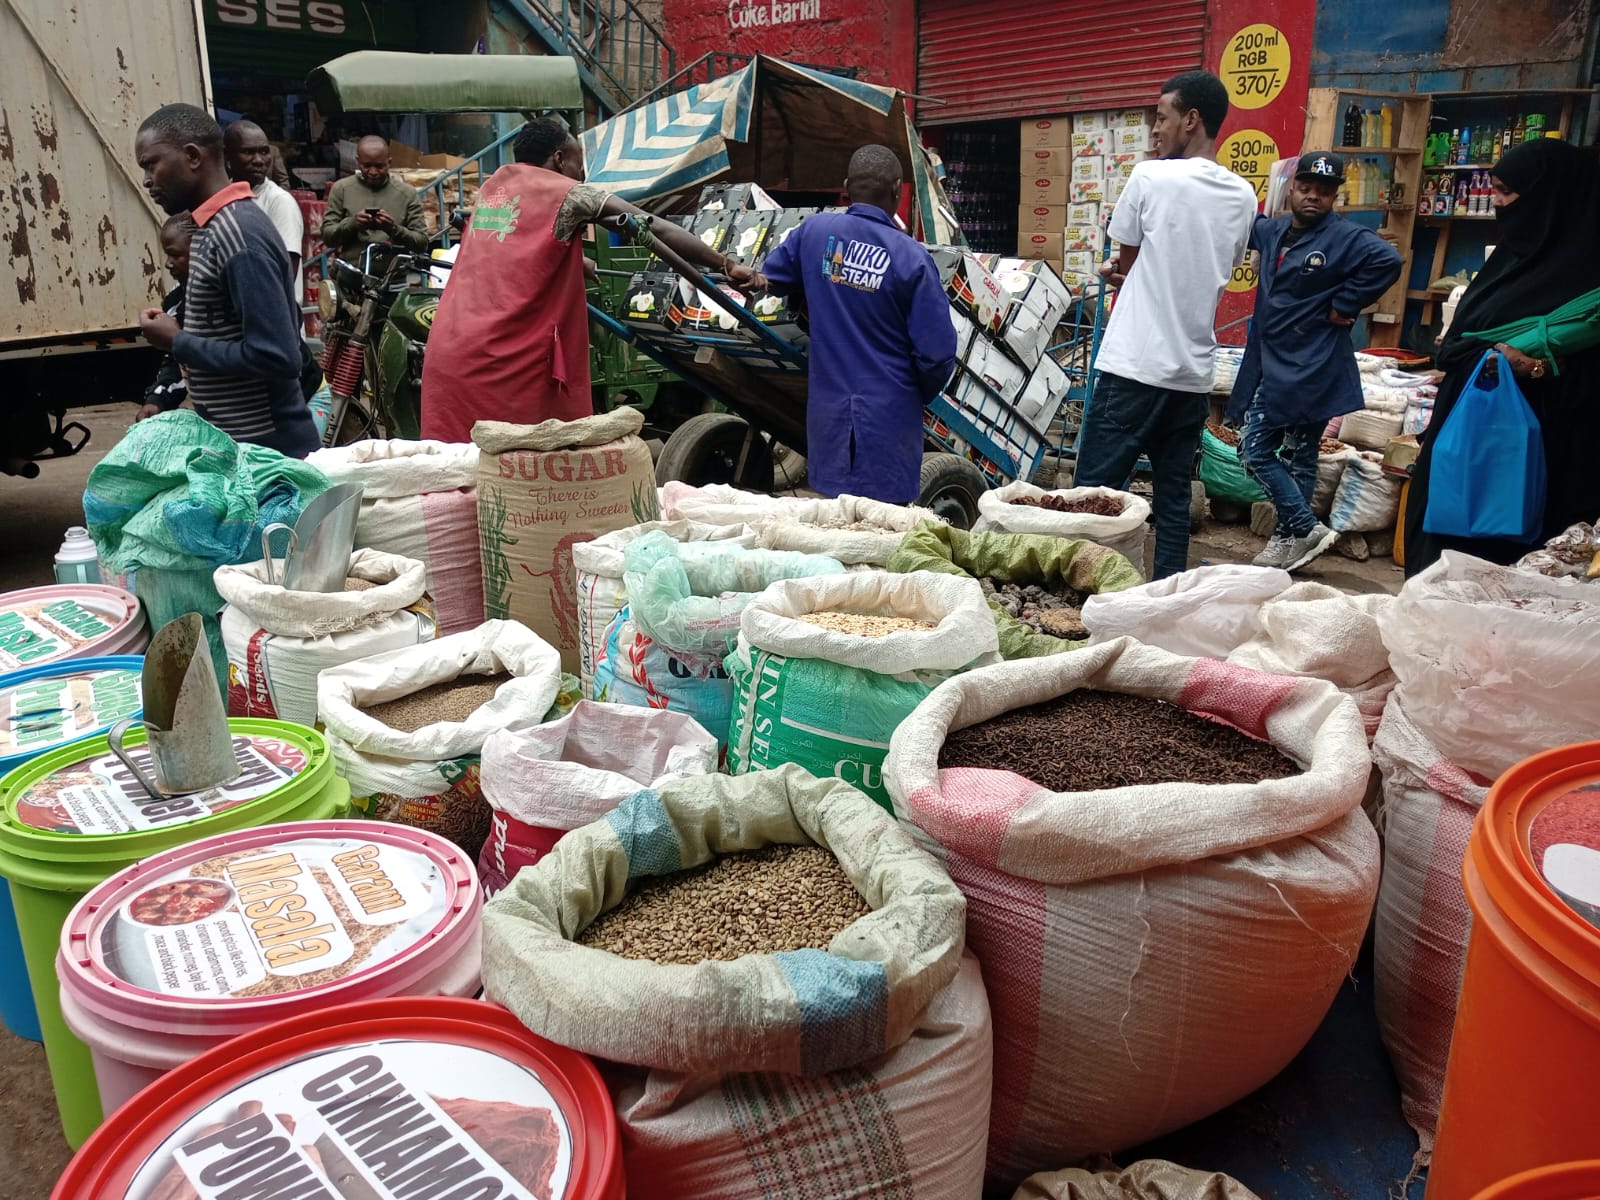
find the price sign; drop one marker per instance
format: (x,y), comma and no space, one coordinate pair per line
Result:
(1250,153)
(1245,277)
(1255,65)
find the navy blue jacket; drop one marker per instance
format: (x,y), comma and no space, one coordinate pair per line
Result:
(882,346)
(1303,362)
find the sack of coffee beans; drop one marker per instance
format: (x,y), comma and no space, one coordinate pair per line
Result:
(1025,577)
(825,669)
(1105,516)
(1157,852)
(856,1064)
(544,488)
(406,727)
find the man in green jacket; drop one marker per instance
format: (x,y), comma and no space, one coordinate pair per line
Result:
(373,206)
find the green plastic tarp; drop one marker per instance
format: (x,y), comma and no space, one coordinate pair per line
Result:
(1570,329)
(394,81)
(1020,558)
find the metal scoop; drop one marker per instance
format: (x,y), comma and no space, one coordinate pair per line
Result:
(320,542)
(187,742)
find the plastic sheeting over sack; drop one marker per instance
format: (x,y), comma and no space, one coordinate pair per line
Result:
(1127,935)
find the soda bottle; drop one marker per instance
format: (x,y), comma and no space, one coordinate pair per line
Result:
(1519,133)
(1352,125)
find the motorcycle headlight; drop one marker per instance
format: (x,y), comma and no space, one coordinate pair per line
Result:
(327,299)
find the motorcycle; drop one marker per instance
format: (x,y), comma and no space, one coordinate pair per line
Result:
(376,321)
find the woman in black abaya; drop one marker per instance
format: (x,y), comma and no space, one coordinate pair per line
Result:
(1547,252)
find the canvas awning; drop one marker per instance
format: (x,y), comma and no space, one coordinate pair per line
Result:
(393,81)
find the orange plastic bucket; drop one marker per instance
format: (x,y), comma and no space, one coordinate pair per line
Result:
(1520,1089)
(1569,1181)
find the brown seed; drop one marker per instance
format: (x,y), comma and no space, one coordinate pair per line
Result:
(453,700)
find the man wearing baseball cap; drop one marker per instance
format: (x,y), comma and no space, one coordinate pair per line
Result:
(1317,272)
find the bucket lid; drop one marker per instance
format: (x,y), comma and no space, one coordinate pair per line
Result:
(79,806)
(42,708)
(243,928)
(462,1083)
(69,620)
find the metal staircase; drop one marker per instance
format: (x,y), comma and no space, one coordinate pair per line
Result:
(620,52)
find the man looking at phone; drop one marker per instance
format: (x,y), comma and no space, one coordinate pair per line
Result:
(373,206)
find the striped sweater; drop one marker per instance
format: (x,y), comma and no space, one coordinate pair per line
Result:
(240,342)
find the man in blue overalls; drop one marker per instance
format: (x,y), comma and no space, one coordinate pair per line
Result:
(882,344)
(1318,272)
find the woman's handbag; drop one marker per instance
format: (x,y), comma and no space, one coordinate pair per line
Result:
(1488,476)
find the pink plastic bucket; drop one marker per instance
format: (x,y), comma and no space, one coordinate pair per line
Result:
(169,958)
(68,620)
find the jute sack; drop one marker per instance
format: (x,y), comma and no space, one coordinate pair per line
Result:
(429,777)
(602,591)
(830,701)
(420,501)
(1127,935)
(541,490)
(278,641)
(859,1070)
(1126,533)
(1152,1179)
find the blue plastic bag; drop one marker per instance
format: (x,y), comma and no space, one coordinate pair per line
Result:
(1488,478)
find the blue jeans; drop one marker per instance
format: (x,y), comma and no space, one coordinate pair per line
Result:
(1283,460)
(1126,418)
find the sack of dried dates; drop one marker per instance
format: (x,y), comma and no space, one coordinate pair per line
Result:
(825,669)
(1105,516)
(1036,585)
(406,728)
(1157,852)
(775,971)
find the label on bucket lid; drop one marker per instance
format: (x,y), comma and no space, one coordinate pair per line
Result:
(271,919)
(390,1120)
(40,714)
(1564,839)
(34,631)
(98,795)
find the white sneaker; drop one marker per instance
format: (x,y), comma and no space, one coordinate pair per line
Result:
(1303,550)
(1275,553)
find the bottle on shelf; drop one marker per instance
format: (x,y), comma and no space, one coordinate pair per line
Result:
(1386,123)
(1352,125)
(1532,130)
(1464,151)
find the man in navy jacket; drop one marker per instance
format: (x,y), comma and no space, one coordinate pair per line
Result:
(882,344)
(1318,271)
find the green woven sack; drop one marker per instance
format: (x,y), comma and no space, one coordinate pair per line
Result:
(1223,474)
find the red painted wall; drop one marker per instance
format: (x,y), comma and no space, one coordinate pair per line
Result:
(1263,53)
(878,37)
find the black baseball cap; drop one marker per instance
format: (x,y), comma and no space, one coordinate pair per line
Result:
(1321,164)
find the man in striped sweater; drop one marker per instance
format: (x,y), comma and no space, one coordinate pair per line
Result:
(239,345)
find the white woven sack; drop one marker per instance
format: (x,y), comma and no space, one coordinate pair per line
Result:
(1330,471)
(1150,1179)
(912,1123)
(720,504)
(1205,611)
(1368,497)
(1127,935)
(1495,664)
(853,529)
(1126,534)
(568,772)
(601,590)
(1369,429)
(1423,920)
(420,500)
(399,582)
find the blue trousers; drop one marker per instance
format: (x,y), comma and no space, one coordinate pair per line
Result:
(1283,460)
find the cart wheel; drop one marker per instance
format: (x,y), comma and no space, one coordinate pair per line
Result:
(951,487)
(705,449)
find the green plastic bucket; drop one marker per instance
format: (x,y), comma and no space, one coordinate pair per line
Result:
(73,817)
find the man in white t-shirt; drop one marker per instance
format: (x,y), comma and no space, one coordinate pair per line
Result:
(249,158)
(1183,223)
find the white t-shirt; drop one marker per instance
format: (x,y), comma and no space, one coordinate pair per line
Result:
(285,214)
(1191,220)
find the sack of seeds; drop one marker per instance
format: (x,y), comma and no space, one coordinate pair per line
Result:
(1157,852)
(1205,611)
(825,669)
(853,529)
(602,592)
(278,641)
(1368,497)
(420,500)
(406,727)
(1036,585)
(1105,516)
(836,1046)
(1151,1179)
(551,778)
(1330,472)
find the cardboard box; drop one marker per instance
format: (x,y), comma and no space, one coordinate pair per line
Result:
(1080,262)
(1095,122)
(1083,214)
(985,361)
(1082,237)
(1043,395)
(1041,218)
(1088,168)
(1039,302)
(1091,143)
(1133,118)
(1044,191)
(1087,191)
(1045,244)
(1133,140)
(1115,186)
(403,157)
(1075,281)
(966,331)
(970,287)
(1046,160)
(1046,132)
(436,162)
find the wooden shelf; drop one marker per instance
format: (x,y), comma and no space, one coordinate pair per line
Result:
(1373,207)
(1427,294)
(1454,217)
(1358,151)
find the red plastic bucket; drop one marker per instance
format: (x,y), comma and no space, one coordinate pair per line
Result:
(1569,1181)
(1519,1092)
(378,1092)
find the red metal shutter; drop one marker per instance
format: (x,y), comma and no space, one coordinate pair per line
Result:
(995,58)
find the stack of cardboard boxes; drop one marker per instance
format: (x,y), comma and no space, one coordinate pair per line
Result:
(1074,169)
